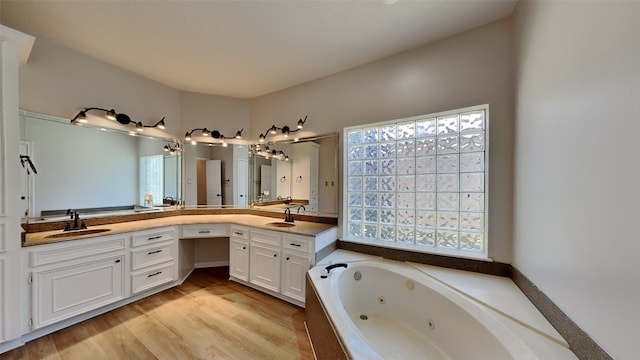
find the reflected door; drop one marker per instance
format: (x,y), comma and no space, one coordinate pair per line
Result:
(214,182)
(242,183)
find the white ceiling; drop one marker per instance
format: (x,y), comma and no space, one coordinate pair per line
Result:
(245,49)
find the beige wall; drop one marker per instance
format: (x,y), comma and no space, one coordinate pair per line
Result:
(225,114)
(577,163)
(59,81)
(472,68)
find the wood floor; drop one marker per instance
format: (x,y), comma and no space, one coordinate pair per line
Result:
(207,317)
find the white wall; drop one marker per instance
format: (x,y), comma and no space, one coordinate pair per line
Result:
(471,68)
(578,163)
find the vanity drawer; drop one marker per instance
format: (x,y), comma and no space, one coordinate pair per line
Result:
(53,253)
(266,237)
(299,243)
(204,230)
(152,255)
(152,236)
(239,232)
(153,277)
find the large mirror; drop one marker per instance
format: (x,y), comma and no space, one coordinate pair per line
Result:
(94,170)
(303,172)
(216,175)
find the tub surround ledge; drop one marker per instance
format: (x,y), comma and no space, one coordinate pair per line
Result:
(579,342)
(479,266)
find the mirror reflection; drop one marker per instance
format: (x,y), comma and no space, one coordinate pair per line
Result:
(217,176)
(94,170)
(307,176)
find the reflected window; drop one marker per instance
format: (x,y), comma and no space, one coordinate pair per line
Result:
(151,180)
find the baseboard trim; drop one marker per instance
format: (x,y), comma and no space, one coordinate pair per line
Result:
(209,264)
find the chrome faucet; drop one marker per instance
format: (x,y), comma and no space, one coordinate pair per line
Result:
(303,208)
(327,270)
(287,215)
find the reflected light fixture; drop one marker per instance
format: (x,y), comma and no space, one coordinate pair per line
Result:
(111,114)
(269,153)
(285,130)
(174,148)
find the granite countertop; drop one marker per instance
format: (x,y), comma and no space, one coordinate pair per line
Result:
(256,221)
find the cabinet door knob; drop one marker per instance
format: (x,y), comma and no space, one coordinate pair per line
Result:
(118,261)
(287,258)
(244,248)
(275,255)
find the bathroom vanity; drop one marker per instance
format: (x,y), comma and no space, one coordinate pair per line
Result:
(76,275)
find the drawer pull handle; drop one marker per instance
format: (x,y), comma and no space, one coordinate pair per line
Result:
(238,233)
(154,274)
(154,252)
(294,244)
(204,231)
(155,237)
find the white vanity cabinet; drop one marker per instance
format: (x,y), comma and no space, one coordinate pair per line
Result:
(154,255)
(239,252)
(264,259)
(297,257)
(74,277)
(277,261)
(194,231)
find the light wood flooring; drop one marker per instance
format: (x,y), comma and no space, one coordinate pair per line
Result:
(207,317)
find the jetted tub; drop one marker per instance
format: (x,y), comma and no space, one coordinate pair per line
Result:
(382,309)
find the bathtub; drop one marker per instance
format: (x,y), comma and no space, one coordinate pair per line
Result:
(383,309)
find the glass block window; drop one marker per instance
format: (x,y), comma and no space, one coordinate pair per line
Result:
(419,183)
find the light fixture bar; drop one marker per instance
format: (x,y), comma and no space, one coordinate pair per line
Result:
(285,130)
(111,114)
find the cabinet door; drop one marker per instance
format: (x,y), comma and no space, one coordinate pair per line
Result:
(239,259)
(265,267)
(294,268)
(63,292)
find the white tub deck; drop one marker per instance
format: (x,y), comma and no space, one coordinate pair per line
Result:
(499,295)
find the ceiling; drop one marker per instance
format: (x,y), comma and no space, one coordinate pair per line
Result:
(245,49)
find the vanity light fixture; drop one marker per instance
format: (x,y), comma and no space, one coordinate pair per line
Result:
(215,134)
(121,118)
(285,130)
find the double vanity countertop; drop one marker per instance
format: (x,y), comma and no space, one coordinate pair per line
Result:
(50,232)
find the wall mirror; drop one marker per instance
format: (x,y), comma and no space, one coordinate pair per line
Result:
(216,175)
(94,170)
(309,176)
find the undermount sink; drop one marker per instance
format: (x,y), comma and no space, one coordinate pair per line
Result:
(76,233)
(281,224)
